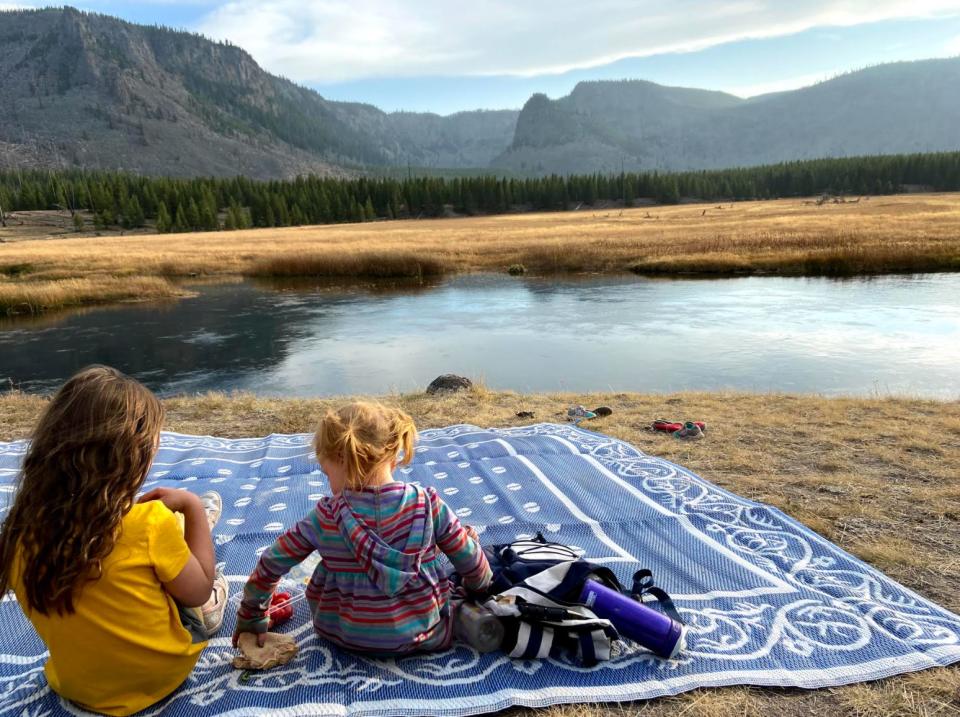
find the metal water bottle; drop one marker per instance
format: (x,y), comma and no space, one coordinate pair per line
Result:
(651,628)
(478,627)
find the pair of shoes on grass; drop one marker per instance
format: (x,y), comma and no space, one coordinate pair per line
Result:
(579,413)
(674,426)
(690,430)
(214,609)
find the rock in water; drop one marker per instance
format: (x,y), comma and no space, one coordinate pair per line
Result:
(449,382)
(278,649)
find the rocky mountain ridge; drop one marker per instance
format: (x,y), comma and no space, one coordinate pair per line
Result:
(87,90)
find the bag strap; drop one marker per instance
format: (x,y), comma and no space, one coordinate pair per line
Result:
(537,544)
(542,612)
(643,585)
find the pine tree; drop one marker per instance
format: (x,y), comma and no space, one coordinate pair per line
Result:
(280,211)
(163,218)
(133,214)
(209,215)
(192,215)
(180,221)
(102,220)
(671,192)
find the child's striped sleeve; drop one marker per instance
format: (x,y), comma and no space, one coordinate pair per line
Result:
(290,549)
(464,552)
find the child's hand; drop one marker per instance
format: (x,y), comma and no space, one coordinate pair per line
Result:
(472,532)
(261,637)
(179,501)
(254,624)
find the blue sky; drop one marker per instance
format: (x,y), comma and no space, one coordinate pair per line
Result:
(435,55)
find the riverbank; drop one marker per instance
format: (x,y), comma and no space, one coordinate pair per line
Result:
(879,477)
(874,235)
(36,297)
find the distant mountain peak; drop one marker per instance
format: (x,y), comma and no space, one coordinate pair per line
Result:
(602,126)
(87,90)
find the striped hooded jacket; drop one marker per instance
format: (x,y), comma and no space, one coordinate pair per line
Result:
(381,585)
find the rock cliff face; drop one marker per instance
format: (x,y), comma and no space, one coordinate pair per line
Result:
(92,91)
(901,107)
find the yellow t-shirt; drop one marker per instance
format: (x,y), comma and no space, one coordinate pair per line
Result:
(124,648)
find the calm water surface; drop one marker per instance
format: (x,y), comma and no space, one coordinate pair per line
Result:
(890,335)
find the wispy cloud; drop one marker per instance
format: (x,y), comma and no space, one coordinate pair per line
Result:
(338,40)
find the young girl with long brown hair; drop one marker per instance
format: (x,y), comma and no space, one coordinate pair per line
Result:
(380,587)
(109,582)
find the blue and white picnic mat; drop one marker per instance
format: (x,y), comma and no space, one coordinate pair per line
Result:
(768,601)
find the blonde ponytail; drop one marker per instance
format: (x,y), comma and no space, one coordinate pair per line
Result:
(350,452)
(405,436)
(364,436)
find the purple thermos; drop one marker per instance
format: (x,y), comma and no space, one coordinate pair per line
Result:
(651,628)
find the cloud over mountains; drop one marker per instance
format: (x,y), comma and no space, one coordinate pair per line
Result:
(342,40)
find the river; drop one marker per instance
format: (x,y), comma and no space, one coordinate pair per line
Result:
(892,335)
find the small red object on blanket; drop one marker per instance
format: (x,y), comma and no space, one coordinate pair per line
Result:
(280,610)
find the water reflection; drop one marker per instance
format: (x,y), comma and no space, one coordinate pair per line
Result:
(888,335)
(337,286)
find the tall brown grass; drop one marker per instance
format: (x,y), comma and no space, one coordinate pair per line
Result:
(832,253)
(367,265)
(34,297)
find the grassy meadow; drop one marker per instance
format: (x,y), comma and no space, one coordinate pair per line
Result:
(879,477)
(887,234)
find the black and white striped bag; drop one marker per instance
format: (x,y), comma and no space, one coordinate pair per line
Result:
(535,593)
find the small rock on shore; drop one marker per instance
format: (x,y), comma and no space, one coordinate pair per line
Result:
(449,382)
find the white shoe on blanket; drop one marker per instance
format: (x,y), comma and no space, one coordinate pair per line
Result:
(213,506)
(214,609)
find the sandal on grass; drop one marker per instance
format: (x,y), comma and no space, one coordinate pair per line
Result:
(579,413)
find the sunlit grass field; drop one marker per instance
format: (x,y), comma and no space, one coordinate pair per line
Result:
(887,234)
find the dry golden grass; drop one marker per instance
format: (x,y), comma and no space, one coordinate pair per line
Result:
(349,265)
(34,297)
(879,477)
(898,233)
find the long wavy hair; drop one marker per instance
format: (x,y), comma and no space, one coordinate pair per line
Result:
(89,455)
(365,436)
